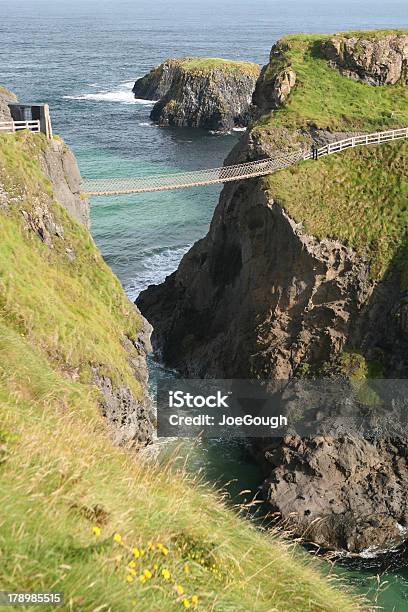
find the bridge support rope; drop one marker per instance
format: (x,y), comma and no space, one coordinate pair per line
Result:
(238,172)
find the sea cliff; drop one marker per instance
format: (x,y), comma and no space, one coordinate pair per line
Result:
(200,92)
(304,273)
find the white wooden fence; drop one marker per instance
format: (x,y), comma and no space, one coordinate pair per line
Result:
(362,139)
(17,126)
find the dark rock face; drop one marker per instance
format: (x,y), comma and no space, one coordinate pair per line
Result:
(157,82)
(276,81)
(131,419)
(334,489)
(217,96)
(237,308)
(377,61)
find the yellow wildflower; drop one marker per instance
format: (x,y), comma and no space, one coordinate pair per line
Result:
(179,589)
(149,545)
(155,566)
(129,578)
(194,599)
(117,537)
(186,603)
(132,572)
(96,531)
(147,573)
(142,578)
(142,552)
(165,551)
(136,552)
(132,564)
(159,546)
(166,574)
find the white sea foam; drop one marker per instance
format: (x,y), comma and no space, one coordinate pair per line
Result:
(155,269)
(220,132)
(239,129)
(122,94)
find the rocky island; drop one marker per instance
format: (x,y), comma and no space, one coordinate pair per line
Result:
(304,274)
(200,92)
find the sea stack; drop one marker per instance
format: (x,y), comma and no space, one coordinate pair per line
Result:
(200,92)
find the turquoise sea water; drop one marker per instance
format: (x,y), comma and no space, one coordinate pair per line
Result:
(83,56)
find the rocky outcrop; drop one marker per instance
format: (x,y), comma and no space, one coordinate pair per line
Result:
(238,309)
(376,60)
(262,297)
(6,97)
(345,493)
(60,166)
(131,418)
(259,298)
(200,93)
(276,80)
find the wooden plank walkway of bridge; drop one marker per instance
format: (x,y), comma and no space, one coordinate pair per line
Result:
(238,172)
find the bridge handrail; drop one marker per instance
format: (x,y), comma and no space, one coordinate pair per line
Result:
(362,139)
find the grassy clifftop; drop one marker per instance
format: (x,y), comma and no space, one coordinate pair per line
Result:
(78,514)
(209,64)
(326,99)
(359,196)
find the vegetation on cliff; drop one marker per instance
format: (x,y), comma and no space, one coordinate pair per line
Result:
(78,514)
(58,293)
(205,65)
(359,196)
(326,99)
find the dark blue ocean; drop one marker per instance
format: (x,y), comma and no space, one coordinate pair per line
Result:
(83,56)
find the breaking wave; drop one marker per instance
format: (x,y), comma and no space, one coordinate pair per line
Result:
(122,94)
(156,267)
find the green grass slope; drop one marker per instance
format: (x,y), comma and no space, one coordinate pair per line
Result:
(324,98)
(359,196)
(79,515)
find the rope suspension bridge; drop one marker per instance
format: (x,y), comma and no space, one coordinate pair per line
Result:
(238,172)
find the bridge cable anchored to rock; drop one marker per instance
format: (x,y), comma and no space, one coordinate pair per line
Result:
(238,172)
